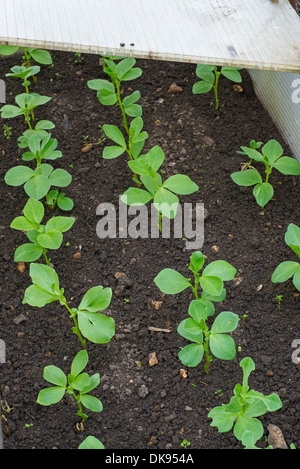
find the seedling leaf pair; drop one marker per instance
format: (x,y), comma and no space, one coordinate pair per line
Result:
(289,269)
(271,157)
(75,381)
(243,409)
(37,182)
(216,340)
(94,326)
(162,193)
(209,78)
(42,237)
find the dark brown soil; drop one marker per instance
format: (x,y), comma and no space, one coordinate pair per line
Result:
(197,141)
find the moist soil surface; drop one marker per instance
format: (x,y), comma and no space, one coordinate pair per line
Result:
(148,407)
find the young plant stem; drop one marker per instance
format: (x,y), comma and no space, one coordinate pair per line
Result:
(124,118)
(75,328)
(205,328)
(215,87)
(46,258)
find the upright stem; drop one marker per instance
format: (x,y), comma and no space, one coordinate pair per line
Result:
(124,118)
(46,258)
(215,86)
(76,328)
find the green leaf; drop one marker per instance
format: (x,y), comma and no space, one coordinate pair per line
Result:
(287,165)
(96,327)
(284,271)
(50,396)
(60,177)
(171,282)
(201,87)
(37,186)
(292,235)
(263,193)
(296,278)
(18,175)
(93,383)
(272,150)
(96,299)
(8,50)
(136,196)
(252,153)
(155,158)
(37,296)
(22,224)
(51,239)
(204,68)
(248,366)
(55,375)
(59,223)
(28,252)
(272,402)
(231,74)
(112,151)
(79,362)
(244,424)
(44,276)
(80,382)
(221,269)
(222,346)
(10,111)
(132,74)
(249,177)
(44,125)
(191,355)
(115,134)
(166,202)
(191,330)
(92,403)
(41,56)
(222,419)
(198,310)
(211,284)
(225,322)
(135,110)
(34,210)
(91,443)
(124,66)
(180,184)
(140,167)
(65,203)
(208,77)
(197,261)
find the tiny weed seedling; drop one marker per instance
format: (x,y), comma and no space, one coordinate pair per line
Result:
(163,194)
(210,75)
(279,300)
(88,322)
(78,384)
(243,409)
(195,328)
(289,269)
(271,157)
(41,237)
(7,132)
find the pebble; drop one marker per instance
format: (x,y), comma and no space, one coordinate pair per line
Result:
(143,391)
(18,319)
(170,418)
